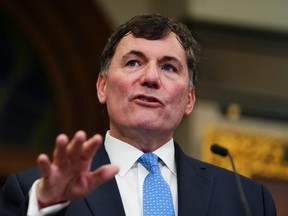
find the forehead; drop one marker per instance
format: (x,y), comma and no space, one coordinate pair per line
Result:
(167,46)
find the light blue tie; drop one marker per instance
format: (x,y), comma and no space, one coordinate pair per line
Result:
(157,198)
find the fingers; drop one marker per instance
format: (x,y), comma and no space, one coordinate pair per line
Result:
(69,172)
(81,149)
(59,155)
(76,151)
(74,148)
(44,165)
(103,174)
(91,146)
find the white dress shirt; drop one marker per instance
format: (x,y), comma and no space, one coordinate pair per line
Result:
(130,178)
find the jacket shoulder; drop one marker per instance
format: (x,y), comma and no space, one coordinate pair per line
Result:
(22,180)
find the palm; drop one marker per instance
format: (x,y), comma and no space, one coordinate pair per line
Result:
(68,177)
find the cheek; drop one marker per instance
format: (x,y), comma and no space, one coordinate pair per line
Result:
(116,92)
(181,98)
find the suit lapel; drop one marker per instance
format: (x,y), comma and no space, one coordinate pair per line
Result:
(194,185)
(194,188)
(105,200)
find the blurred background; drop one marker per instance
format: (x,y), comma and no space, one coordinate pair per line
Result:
(50,53)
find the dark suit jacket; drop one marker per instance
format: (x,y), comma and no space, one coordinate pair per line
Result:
(203,190)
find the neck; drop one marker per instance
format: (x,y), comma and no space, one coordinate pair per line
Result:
(144,140)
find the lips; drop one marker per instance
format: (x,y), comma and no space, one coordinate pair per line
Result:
(147,100)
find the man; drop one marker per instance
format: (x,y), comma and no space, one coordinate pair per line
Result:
(147,84)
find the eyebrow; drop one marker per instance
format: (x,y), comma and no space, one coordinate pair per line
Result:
(133,52)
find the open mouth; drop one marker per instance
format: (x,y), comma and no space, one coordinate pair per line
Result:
(148,99)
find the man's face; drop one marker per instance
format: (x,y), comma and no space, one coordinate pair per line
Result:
(147,86)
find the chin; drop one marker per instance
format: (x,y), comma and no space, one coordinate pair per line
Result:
(151,126)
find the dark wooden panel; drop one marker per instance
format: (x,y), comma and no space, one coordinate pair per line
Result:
(68,37)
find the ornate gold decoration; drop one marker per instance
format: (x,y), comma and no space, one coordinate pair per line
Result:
(255,154)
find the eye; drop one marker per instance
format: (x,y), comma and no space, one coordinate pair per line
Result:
(169,67)
(133,63)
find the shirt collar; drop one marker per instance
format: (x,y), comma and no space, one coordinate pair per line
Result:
(166,154)
(125,155)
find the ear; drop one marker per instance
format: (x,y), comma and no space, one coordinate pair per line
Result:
(101,88)
(190,102)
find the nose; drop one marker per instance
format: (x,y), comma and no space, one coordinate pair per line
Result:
(150,76)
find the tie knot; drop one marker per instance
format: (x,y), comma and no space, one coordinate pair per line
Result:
(148,160)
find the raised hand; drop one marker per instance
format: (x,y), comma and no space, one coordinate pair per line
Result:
(68,176)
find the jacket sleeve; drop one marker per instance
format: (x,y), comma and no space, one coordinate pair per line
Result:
(14,196)
(13,199)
